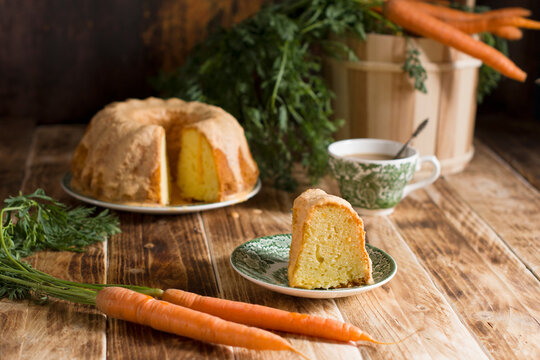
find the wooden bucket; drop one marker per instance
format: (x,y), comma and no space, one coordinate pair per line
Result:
(378,100)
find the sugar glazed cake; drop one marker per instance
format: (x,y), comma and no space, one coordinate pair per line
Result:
(158,151)
(328,244)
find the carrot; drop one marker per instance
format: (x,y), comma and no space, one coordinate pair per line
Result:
(507,12)
(125,304)
(508,32)
(443,12)
(404,14)
(491,24)
(269,318)
(437,2)
(453,17)
(449,14)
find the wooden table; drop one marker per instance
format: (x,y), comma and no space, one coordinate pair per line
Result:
(466,249)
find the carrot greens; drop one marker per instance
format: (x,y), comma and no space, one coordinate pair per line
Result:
(34,222)
(414,68)
(267,72)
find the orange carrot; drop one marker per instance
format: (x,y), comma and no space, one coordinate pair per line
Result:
(507,12)
(491,24)
(449,14)
(508,32)
(269,318)
(443,12)
(437,2)
(125,304)
(453,15)
(403,13)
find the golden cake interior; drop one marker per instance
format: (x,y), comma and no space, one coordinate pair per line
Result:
(197,177)
(328,248)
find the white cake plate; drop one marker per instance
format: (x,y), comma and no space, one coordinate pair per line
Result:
(157,209)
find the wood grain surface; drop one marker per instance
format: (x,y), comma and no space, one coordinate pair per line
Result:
(516,142)
(62,61)
(57,330)
(466,248)
(15,140)
(378,100)
(14,153)
(478,292)
(410,303)
(508,203)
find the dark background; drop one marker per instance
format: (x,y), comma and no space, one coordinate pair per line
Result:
(63,60)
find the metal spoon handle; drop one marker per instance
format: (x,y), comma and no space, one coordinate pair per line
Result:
(414,134)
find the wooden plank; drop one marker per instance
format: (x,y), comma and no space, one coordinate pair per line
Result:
(394,311)
(14,151)
(58,330)
(385,313)
(15,143)
(267,213)
(160,251)
(175,27)
(408,303)
(55,144)
(487,285)
(64,62)
(517,142)
(506,202)
(12,316)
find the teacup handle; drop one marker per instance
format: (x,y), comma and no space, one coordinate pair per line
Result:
(425,182)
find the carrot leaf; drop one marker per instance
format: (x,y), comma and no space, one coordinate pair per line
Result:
(266,71)
(270,63)
(38,222)
(413,67)
(33,222)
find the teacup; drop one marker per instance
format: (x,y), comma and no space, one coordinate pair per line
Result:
(372,184)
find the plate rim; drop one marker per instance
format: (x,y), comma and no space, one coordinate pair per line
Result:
(315,293)
(174,209)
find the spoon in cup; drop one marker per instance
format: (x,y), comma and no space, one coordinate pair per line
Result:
(414,134)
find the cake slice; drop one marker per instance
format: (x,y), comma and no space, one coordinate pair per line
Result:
(163,170)
(328,244)
(198,177)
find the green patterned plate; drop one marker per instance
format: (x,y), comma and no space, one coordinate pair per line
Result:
(264,261)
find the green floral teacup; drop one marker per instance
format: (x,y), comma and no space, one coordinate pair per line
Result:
(370,179)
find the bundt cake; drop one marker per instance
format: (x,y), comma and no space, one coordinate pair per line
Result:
(328,244)
(163,152)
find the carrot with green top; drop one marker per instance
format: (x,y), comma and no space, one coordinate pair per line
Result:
(454,16)
(125,304)
(404,14)
(508,32)
(506,12)
(449,14)
(492,24)
(138,306)
(269,318)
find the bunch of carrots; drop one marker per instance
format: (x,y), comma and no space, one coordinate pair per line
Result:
(222,321)
(453,28)
(182,313)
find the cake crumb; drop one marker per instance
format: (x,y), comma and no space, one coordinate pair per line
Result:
(148,246)
(235,215)
(257,211)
